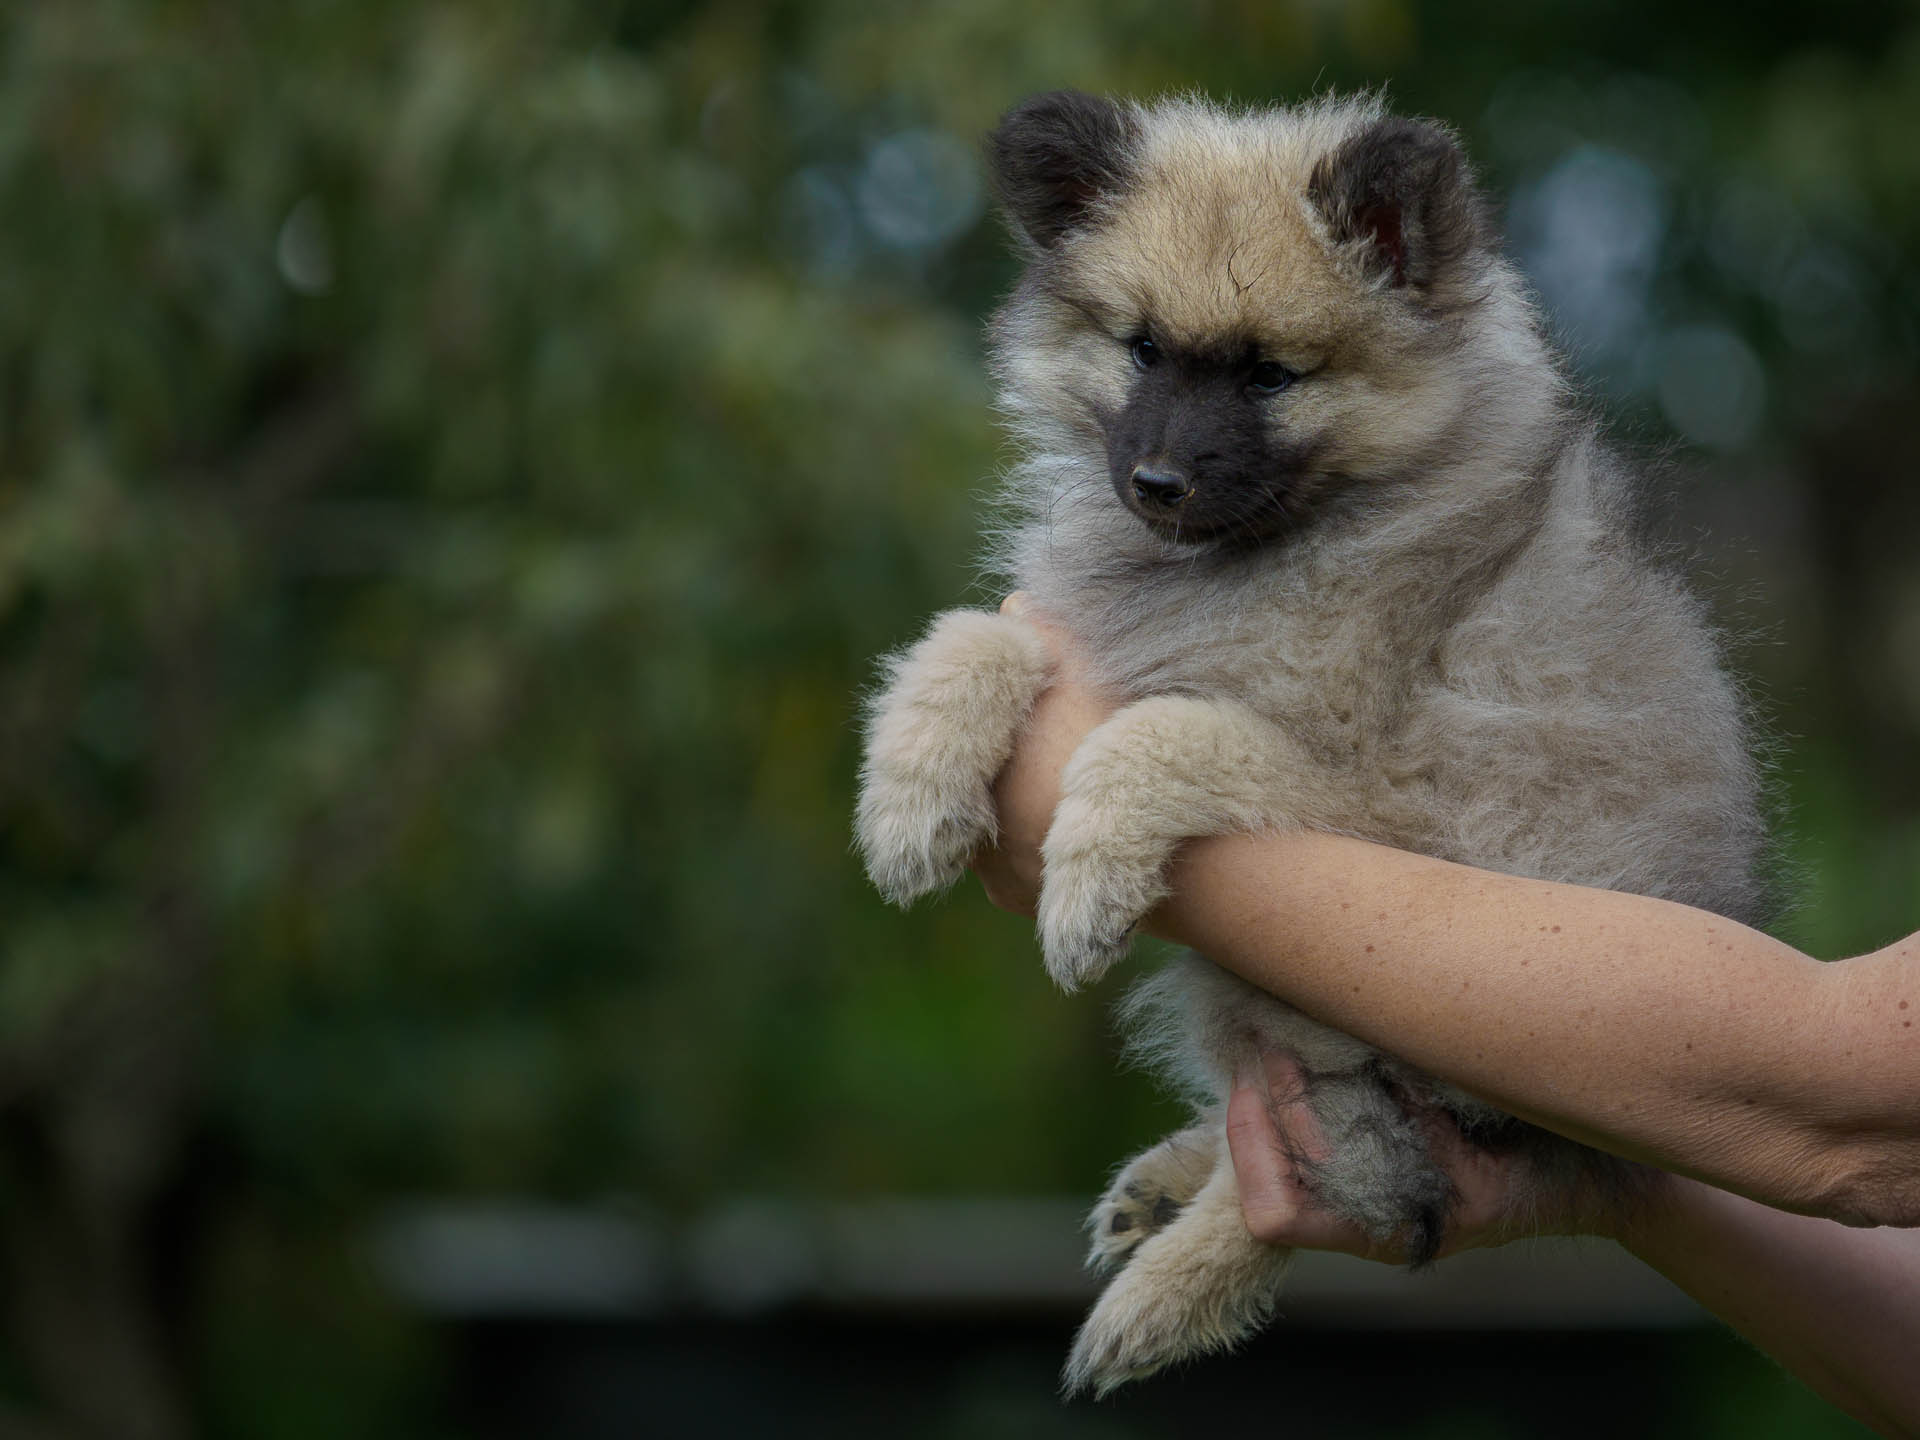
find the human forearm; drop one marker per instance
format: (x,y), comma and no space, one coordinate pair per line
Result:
(1649,1029)
(1838,1307)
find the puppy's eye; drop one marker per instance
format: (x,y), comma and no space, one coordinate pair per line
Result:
(1269,378)
(1145,353)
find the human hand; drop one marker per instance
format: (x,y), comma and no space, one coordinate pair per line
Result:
(1028,789)
(1268,1123)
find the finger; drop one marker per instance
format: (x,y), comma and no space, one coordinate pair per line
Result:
(1270,1129)
(1069,663)
(1018,605)
(1286,1082)
(1002,881)
(1485,1184)
(1269,1196)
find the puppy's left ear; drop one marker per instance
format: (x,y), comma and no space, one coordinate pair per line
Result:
(1401,190)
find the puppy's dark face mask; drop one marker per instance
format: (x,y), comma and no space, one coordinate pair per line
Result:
(1199,451)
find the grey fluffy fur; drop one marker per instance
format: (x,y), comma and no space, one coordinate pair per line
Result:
(1434,629)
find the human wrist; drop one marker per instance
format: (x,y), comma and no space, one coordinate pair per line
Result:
(1643,1220)
(1229,895)
(1027,790)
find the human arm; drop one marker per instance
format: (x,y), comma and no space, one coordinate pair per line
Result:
(1642,1027)
(1645,1028)
(1839,1307)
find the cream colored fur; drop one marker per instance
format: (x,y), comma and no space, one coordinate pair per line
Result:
(954,705)
(1465,652)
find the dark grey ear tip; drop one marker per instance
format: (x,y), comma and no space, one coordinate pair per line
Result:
(1052,155)
(1405,185)
(1411,130)
(1056,103)
(1391,154)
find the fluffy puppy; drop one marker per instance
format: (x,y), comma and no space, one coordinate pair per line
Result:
(1302,477)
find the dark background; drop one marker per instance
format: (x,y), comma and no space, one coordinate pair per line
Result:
(457,465)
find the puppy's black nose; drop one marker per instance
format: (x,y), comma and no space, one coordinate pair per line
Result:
(1160,486)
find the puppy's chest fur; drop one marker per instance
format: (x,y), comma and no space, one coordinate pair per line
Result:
(1296,634)
(1534,696)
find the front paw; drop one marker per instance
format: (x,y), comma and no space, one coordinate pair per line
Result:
(936,737)
(1161,770)
(1085,928)
(915,842)
(1098,882)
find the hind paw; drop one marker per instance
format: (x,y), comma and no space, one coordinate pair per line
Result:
(1121,1341)
(1149,1318)
(1198,1285)
(1149,1194)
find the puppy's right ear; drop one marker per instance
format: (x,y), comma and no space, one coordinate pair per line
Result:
(1053,156)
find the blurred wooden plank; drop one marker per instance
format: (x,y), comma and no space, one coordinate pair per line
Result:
(757,1256)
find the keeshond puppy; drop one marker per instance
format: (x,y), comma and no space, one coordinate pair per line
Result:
(1302,477)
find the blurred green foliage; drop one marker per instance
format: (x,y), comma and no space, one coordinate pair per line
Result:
(457,464)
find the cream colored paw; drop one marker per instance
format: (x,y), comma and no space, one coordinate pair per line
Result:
(937,734)
(1092,895)
(916,839)
(1198,1285)
(1127,1337)
(1144,1322)
(1156,773)
(1149,1194)
(1082,934)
